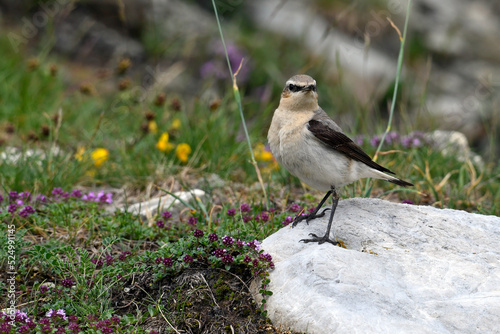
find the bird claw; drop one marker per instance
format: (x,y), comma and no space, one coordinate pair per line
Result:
(320,240)
(308,217)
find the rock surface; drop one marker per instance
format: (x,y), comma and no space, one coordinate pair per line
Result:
(406,269)
(150,207)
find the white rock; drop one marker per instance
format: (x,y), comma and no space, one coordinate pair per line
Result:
(13,155)
(406,269)
(151,207)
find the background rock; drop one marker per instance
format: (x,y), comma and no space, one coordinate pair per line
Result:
(406,269)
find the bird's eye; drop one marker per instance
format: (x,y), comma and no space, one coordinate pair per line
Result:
(293,88)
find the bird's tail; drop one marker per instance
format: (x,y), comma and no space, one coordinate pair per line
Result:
(400,182)
(384,176)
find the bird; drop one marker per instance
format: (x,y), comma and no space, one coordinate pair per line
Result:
(311,146)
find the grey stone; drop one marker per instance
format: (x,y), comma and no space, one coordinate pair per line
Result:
(406,269)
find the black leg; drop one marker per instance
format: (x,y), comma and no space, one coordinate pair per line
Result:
(326,237)
(313,215)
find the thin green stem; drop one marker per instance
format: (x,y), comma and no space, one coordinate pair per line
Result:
(396,85)
(237,97)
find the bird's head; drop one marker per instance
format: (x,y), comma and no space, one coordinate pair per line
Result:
(300,94)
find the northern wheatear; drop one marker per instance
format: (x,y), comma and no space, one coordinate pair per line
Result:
(311,146)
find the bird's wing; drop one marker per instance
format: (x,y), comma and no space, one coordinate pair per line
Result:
(338,141)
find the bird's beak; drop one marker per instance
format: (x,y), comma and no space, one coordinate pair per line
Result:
(309,88)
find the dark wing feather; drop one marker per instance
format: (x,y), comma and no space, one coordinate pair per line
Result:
(340,142)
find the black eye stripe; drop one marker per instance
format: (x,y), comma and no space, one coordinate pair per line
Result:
(297,88)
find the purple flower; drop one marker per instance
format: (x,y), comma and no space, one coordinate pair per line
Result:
(57,192)
(375,141)
(5,328)
(193,221)
(392,137)
(271,264)
(255,262)
(124,255)
(31,324)
(240,243)
(97,262)
(287,220)
(198,233)
(245,207)
(90,197)
(168,262)
(13,195)
(188,258)
(219,252)
(246,219)
(1,199)
(12,208)
(295,208)
(213,68)
(109,260)
(227,259)
(76,193)
(213,237)
(227,240)
(407,201)
(43,289)
(45,321)
(416,142)
(264,216)
(26,211)
(41,198)
(25,196)
(231,212)
(74,327)
(254,244)
(247,259)
(406,141)
(67,283)
(61,314)
(166,215)
(21,316)
(266,257)
(24,329)
(359,140)
(104,197)
(160,224)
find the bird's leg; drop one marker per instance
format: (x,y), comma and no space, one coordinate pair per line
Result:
(313,215)
(326,237)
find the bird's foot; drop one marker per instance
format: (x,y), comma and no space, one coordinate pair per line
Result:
(308,217)
(320,240)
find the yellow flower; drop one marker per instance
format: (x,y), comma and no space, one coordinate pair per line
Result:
(152,126)
(176,124)
(99,156)
(80,151)
(261,154)
(163,144)
(182,151)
